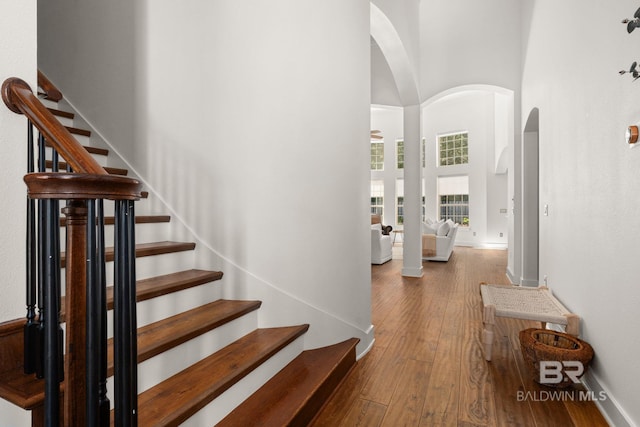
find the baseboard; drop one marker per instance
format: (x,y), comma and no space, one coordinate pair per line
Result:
(498,246)
(529,282)
(608,406)
(412,272)
(512,278)
(369,333)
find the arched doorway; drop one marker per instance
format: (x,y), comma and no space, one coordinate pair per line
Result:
(387,38)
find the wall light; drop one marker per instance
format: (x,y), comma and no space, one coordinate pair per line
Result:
(631,135)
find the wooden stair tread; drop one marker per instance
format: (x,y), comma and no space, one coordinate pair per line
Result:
(182,395)
(61,113)
(27,391)
(92,150)
(296,393)
(78,131)
(162,285)
(170,332)
(146,249)
(110,170)
(140,219)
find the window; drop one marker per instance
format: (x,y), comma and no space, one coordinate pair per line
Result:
(453,149)
(453,199)
(400,201)
(400,154)
(377,197)
(377,156)
(455,207)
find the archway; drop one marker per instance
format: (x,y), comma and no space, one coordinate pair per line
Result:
(387,38)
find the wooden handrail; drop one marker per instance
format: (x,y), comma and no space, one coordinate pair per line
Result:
(19,98)
(50,90)
(66,186)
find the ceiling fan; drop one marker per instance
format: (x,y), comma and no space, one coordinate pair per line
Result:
(375,134)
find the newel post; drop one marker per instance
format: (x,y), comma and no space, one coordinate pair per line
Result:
(75,313)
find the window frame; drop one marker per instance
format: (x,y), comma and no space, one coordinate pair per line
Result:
(399,153)
(456,145)
(378,160)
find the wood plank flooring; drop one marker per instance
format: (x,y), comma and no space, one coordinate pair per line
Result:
(427,367)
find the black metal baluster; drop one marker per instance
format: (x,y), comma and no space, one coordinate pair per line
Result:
(51,315)
(98,405)
(133,321)
(55,161)
(31,326)
(55,229)
(104,406)
(93,314)
(125,345)
(41,219)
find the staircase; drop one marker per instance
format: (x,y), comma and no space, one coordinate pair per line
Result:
(202,360)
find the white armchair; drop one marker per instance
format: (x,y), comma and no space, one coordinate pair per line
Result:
(381,245)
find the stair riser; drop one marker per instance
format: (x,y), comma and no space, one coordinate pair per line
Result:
(51,104)
(102,160)
(225,403)
(141,207)
(151,266)
(145,233)
(159,308)
(65,121)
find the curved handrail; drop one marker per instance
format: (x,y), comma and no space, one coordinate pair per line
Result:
(52,185)
(19,98)
(50,90)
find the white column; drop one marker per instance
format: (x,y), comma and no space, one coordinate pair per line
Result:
(412,245)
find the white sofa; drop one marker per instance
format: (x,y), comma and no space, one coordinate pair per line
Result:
(445,238)
(381,245)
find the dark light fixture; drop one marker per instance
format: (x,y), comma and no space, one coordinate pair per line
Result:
(634,23)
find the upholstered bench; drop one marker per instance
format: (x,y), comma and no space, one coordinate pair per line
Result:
(521,302)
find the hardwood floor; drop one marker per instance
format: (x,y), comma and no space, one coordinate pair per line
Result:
(427,367)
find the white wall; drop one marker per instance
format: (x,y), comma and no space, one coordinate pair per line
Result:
(471,111)
(251,120)
(588,177)
(18,52)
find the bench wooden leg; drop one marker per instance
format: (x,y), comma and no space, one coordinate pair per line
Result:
(489,321)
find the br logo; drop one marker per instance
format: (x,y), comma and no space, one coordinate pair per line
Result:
(553,372)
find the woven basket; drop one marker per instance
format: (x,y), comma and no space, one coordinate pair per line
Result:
(545,345)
